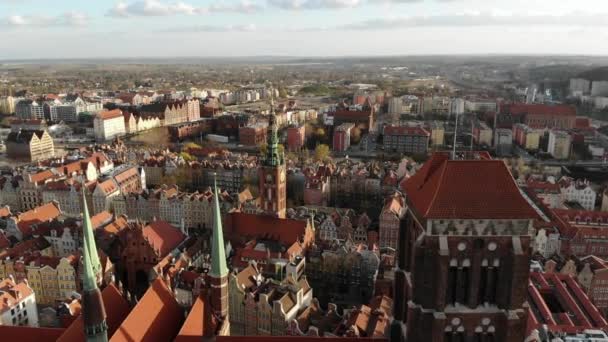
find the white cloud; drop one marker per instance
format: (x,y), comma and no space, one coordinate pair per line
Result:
(314,4)
(151,8)
(475,19)
(156,8)
(244,6)
(66,19)
(212,28)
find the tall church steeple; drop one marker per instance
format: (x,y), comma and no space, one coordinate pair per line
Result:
(271,173)
(94,313)
(218,274)
(274,156)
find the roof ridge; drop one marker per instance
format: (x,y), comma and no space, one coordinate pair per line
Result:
(439,183)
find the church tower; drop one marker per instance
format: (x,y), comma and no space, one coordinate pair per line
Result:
(271,174)
(94,313)
(218,276)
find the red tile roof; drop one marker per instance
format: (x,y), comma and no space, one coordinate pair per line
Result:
(157,317)
(97,158)
(582,216)
(126,174)
(43,213)
(192,330)
(5,211)
(12,293)
(117,310)
(539,109)
(571,310)
(41,176)
(108,186)
(29,334)
(101,219)
(543,187)
(466,189)
(287,231)
(163,236)
(582,122)
(110,114)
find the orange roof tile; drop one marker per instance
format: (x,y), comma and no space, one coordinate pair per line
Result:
(110,114)
(101,219)
(287,231)
(117,310)
(192,330)
(5,211)
(12,293)
(458,189)
(163,236)
(41,176)
(43,213)
(157,317)
(117,225)
(126,174)
(108,186)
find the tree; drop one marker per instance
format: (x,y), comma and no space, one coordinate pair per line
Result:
(190,145)
(305,155)
(308,130)
(291,156)
(355,135)
(282,92)
(187,156)
(322,152)
(263,149)
(180,177)
(320,133)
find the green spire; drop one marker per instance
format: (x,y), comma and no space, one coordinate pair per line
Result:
(273,155)
(218,255)
(90,258)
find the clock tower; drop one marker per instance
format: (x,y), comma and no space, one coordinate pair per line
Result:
(271,173)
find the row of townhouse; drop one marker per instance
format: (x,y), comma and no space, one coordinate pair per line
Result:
(52,278)
(67,192)
(23,190)
(181,209)
(229,175)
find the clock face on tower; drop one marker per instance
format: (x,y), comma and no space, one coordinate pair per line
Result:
(282,176)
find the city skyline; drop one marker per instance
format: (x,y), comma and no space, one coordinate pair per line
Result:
(299,28)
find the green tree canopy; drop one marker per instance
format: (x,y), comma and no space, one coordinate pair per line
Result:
(322,152)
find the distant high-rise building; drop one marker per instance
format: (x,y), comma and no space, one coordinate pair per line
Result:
(580,86)
(599,88)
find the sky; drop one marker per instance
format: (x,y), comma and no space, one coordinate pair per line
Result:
(42,29)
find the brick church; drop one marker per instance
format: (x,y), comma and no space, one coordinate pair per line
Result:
(464,253)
